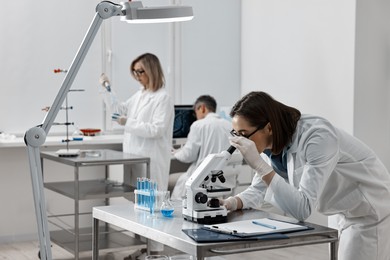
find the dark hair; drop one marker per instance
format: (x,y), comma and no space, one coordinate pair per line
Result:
(208,101)
(259,108)
(152,68)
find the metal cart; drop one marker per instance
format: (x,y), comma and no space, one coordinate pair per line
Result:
(76,239)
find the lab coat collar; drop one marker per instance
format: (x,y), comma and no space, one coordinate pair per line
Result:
(292,150)
(148,95)
(144,99)
(294,140)
(212,114)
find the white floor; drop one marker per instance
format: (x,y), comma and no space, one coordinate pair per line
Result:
(29,251)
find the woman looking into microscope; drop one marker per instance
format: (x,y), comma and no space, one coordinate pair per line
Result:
(313,166)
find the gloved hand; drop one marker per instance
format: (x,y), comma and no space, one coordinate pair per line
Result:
(119,119)
(105,82)
(229,203)
(249,151)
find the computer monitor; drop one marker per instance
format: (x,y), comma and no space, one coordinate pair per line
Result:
(184,117)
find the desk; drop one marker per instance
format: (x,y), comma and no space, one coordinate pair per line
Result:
(78,240)
(168,232)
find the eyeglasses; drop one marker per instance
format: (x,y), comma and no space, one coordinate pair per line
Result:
(235,133)
(138,73)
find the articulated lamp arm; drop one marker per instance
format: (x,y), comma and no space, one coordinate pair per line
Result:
(36,136)
(131,11)
(104,10)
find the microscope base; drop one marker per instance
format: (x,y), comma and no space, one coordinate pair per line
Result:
(212,216)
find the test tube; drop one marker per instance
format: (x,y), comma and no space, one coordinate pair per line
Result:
(151,197)
(142,198)
(147,187)
(138,189)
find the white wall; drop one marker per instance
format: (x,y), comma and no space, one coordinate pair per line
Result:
(329,58)
(199,57)
(372,76)
(301,52)
(36,38)
(211,52)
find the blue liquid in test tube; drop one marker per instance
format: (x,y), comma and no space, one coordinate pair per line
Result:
(147,188)
(142,197)
(138,189)
(152,197)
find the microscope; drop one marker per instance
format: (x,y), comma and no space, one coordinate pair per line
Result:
(201,204)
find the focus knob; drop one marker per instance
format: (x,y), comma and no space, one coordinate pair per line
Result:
(214,203)
(201,198)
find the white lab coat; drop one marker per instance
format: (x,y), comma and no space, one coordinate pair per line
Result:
(148,131)
(208,135)
(334,173)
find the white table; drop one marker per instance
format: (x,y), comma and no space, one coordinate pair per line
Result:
(168,231)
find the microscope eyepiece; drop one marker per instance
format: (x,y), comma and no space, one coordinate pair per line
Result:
(231,149)
(222,178)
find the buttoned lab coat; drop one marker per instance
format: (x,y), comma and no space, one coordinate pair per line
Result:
(334,173)
(206,136)
(148,131)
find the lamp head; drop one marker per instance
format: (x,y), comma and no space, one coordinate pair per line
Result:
(135,12)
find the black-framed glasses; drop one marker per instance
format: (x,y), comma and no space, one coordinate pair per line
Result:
(138,72)
(235,133)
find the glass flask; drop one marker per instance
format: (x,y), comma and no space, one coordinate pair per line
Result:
(167,208)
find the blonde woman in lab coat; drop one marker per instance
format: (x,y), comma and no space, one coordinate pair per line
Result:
(147,117)
(312,165)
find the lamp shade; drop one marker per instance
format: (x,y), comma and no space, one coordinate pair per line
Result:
(135,12)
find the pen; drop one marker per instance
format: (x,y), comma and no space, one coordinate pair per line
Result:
(225,230)
(263,224)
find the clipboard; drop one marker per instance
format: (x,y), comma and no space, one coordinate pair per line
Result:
(256,227)
(204,235)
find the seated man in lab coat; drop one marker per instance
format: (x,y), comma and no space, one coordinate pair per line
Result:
(209,134)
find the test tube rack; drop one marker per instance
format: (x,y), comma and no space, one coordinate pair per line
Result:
(143,198)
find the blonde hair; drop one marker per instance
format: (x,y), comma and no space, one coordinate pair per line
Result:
(152,69)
